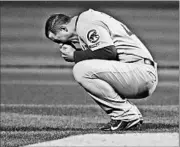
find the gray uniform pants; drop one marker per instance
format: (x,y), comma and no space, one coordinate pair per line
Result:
(111,83)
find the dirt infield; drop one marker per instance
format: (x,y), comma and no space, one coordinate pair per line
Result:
(129,139)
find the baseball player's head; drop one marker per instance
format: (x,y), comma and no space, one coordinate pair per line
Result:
(59,28)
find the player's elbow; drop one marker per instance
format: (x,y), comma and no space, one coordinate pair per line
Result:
(109,53)
(105,53)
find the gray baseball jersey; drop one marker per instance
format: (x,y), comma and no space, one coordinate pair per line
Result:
(97,30)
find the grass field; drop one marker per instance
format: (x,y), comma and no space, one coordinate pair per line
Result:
(27,124)
(41,105)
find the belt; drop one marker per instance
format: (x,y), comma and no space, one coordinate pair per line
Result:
(145,61)
(149,62)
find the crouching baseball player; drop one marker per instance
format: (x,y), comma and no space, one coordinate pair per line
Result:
(113,65)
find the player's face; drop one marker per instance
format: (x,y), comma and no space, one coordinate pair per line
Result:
(62,35)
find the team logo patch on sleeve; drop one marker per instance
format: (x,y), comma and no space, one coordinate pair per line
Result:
(93,36)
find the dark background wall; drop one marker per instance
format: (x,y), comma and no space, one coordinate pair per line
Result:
(22,28)
(96,4)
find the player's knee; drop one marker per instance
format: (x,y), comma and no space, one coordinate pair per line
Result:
(79,71)
(76,72)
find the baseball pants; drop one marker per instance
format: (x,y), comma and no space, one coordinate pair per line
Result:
(112,83)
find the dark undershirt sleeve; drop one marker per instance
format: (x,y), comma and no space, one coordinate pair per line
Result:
(106,53)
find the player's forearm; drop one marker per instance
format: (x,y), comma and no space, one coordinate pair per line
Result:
(106,53)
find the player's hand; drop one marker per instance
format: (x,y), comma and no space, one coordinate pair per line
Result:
(67,52)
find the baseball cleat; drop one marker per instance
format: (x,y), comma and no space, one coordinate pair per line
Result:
(134,124)
(114,125)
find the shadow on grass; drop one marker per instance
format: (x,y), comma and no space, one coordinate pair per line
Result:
(154,127)
(145,127)
(44,129)
(159,126)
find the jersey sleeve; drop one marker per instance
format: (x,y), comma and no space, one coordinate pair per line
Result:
(96,37)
